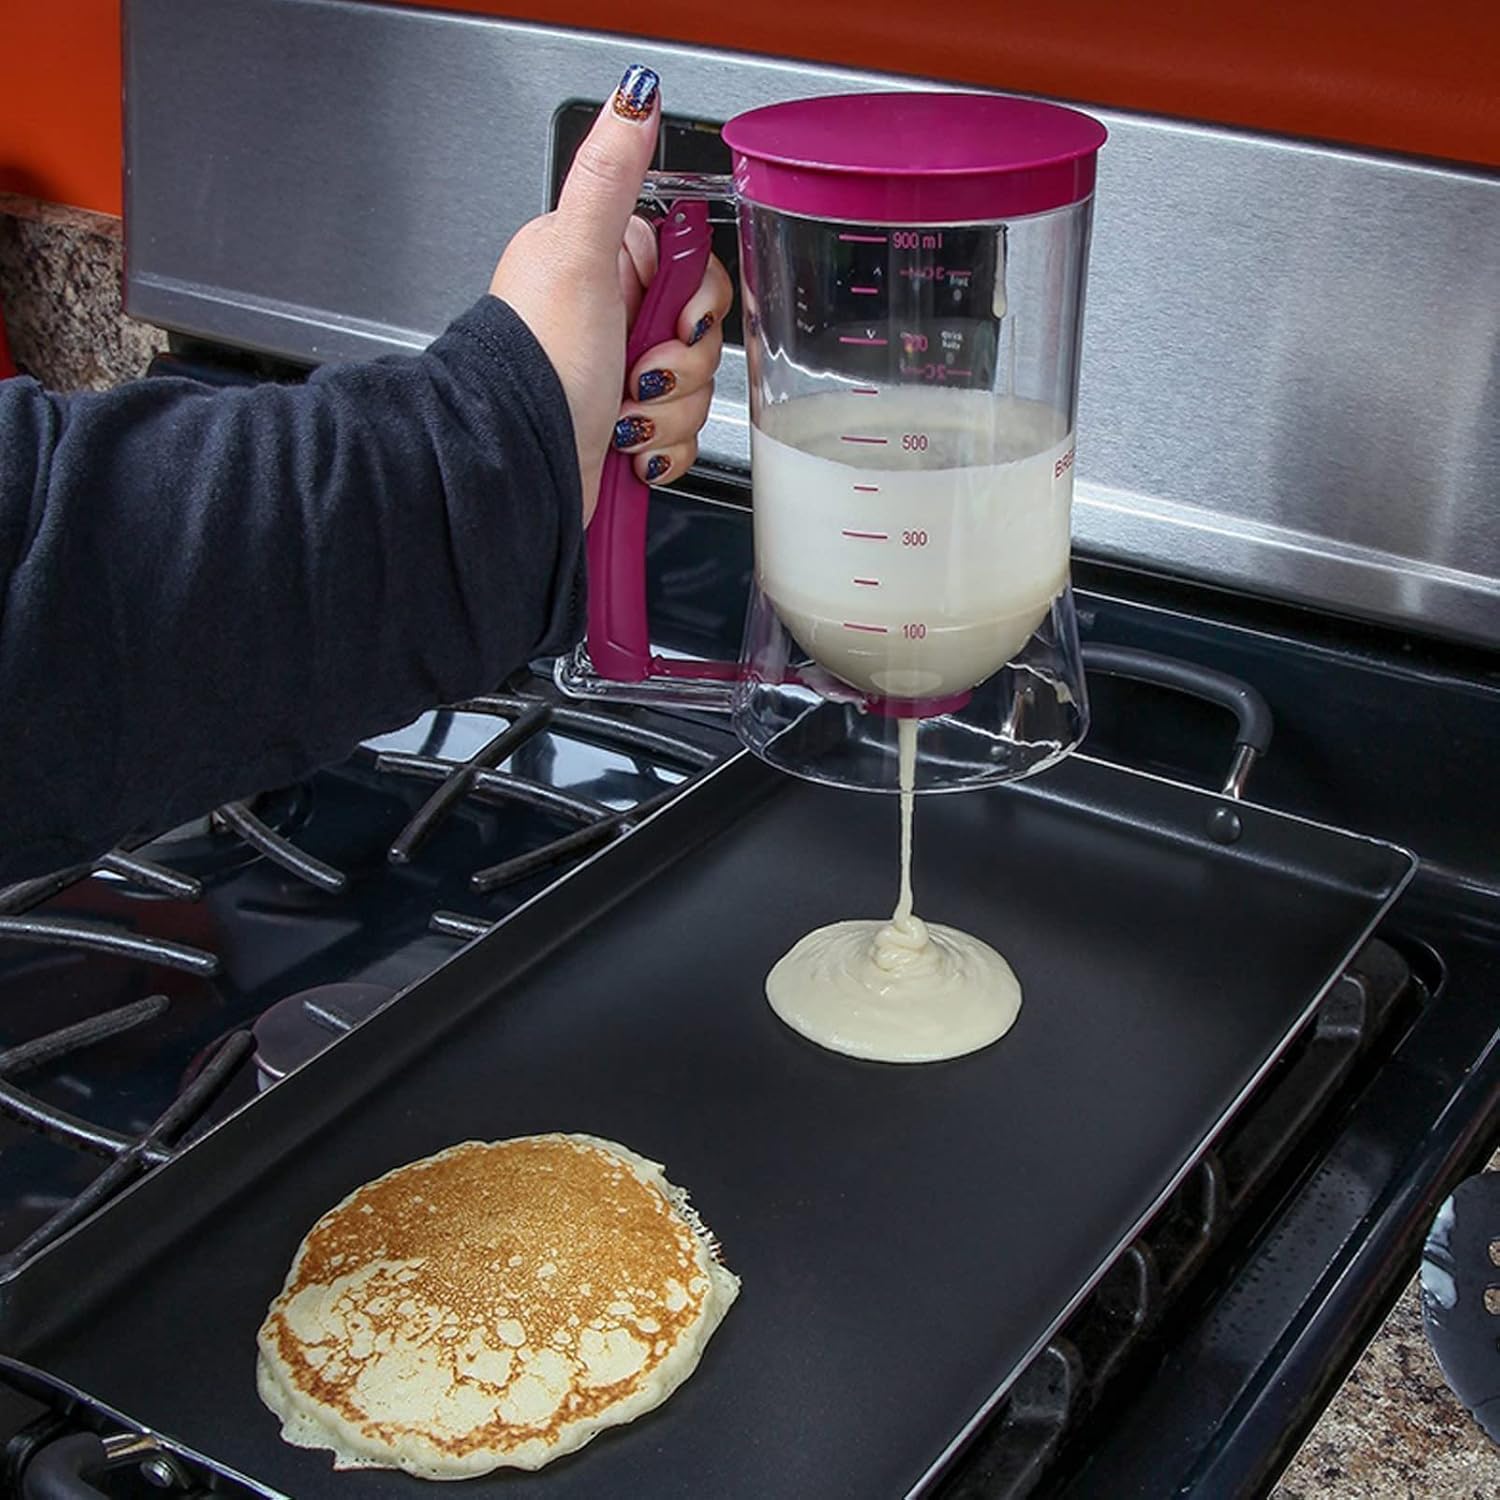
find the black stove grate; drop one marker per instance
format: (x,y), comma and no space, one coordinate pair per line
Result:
(130,1157)
(98,937)
(478,776)
(239,818)
(525,715)
(1117,1324)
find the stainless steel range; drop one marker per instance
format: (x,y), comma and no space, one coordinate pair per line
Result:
(1287,481)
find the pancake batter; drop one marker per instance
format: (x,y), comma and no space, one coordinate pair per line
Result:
(898,991)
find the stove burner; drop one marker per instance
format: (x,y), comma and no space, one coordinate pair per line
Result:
(296,1029)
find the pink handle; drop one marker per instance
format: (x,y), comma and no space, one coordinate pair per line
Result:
(619,640)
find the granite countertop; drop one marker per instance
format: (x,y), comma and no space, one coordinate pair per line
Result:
(1395,1431)
(60,275)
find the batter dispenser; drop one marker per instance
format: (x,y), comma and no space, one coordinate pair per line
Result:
(912,273)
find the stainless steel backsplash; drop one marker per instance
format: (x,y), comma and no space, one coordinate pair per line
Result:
(1292,356)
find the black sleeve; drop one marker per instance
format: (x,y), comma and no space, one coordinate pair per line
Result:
(206,593)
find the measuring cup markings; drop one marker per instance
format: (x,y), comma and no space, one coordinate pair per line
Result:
(918,601)
(893,648)
(934,373)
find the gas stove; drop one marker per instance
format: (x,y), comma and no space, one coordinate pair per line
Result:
(157,994)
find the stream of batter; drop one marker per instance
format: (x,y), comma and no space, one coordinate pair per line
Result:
(899,991)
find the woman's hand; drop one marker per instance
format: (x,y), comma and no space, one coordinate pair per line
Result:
(577,276)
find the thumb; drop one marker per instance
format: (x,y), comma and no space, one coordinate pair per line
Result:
(604,182)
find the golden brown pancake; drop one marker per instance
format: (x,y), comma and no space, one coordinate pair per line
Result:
(494,1305)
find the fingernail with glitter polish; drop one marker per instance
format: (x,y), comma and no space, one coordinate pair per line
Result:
(701,327)
(631,432)
(655,383)
(656,466)
(636,93)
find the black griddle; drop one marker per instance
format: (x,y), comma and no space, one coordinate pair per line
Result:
(907,1237)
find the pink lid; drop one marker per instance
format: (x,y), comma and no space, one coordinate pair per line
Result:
(928,158)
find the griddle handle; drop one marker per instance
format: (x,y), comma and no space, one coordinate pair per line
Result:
(1251,711)
(57,1472)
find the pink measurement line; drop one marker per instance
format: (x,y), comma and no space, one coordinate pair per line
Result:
(868,583)
(865,291)
(864,239)
(845,437)
(869,536)
(869,629)
(954,370)
(846,338)
(865,390)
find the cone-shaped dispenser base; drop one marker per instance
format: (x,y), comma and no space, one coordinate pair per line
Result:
(801,718)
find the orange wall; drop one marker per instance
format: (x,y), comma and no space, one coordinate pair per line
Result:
(60,101)
(1384,73)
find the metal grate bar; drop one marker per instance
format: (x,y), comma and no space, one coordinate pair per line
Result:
(60,1125)
(156,1146)
(460,779)
(281,851)
(610,732)
(594,836)
(201,1092)
(503,785)
(512,788)
(65,932)
(492,877)
(143,872)
(479,777)
(27,893)
(455,924)
(152,876)
(25,1056)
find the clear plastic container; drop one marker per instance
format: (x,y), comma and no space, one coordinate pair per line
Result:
(913,270)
